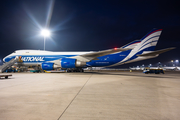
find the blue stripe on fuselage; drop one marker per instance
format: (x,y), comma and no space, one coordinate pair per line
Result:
(38,58)
(103,60)
(7,59)
(140,52)
(109,59)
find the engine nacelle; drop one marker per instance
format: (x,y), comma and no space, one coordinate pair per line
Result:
(48,66)
(64,63)
(71,63)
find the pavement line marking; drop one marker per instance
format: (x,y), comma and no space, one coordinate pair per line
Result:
(74,98)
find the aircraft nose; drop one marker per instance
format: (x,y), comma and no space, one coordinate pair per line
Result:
(4,59)
(7,58)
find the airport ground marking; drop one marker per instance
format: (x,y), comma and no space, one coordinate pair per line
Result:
(75,97)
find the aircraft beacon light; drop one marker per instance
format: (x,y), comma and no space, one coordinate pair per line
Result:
(115,48)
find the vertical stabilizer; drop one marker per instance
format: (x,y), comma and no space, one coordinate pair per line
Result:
(147,44)
(149,41)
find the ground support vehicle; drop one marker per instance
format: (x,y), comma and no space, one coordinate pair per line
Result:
(5,76)
(156,71)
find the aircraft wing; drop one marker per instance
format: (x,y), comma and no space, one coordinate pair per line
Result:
(154,53)
(93,55)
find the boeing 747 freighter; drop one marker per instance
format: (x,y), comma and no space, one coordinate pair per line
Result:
(135,51)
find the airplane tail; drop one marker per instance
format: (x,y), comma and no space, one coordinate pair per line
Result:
(144,45)
(149,41)
(144,48)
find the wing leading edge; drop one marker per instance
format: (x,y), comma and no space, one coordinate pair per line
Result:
(93,56)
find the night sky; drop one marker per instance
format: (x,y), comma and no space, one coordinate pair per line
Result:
(89,25)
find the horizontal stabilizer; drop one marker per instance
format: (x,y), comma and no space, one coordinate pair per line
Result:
(154,53)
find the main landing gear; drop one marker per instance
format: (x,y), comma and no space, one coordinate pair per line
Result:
(75,70)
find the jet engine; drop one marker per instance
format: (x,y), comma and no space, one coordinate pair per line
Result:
(63,63)
(71,63)
(48,66)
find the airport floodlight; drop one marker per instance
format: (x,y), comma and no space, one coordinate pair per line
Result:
(172,61)
(177,61)
(45,33)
